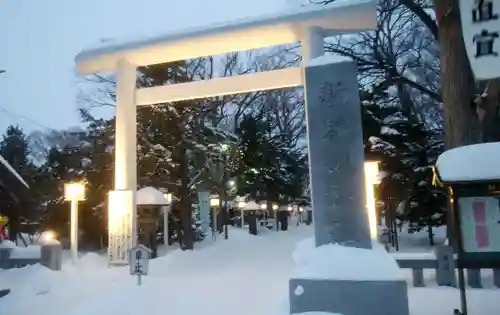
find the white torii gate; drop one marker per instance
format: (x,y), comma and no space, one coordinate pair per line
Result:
(309,26)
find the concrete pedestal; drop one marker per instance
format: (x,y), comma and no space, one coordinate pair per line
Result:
(51,255)
(4,257)
(349,297)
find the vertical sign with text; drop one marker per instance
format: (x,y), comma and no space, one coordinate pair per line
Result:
(481,32)
(204,207)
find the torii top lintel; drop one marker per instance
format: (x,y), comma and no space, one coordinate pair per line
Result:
(289,26)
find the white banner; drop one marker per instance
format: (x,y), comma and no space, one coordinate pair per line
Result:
(481,31)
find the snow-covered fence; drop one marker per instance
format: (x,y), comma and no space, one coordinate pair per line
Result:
(444,263)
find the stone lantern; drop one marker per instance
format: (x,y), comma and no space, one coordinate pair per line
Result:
(150,204)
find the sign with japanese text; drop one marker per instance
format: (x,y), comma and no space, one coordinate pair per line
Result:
(139,260)
(480,224)
(481,32)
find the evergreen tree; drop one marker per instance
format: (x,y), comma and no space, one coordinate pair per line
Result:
(407,150)
(267,168)
(178,144)
(16,202)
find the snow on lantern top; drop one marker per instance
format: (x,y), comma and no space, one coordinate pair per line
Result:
(151,196)
(477,162)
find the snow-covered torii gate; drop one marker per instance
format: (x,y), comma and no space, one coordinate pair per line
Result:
(308,26)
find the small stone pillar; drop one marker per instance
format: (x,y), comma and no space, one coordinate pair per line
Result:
(283,219)
(51,254)
(4,256)
(252,222)
(445,270)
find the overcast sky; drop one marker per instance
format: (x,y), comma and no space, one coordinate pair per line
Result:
(39,39)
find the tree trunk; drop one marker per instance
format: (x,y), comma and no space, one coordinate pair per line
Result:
(185,203)
(457,81)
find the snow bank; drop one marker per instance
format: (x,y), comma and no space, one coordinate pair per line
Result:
(345,263)
(411,255)
(472,162)
(7,244)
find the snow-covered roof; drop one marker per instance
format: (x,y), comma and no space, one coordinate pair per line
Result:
(151,196)
(479,162)
(288,26)
(13,171)
(251,205)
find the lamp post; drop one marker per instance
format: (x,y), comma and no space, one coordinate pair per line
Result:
(166,211)
(371,179)
(74,192)
(214,203)
(301,210)
(263,207)
(275,209)
(230,192)
(241,206)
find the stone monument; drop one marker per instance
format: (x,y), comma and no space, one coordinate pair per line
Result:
(336,161)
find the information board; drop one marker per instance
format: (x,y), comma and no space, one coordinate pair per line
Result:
(480,224)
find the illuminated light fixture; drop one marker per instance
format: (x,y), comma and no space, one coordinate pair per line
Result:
(263,206)
(168,197)
(241,204)
(372,178)
(74,192)
(47,236)
(214,201)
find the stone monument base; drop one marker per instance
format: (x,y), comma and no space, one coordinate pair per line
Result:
(349,297)
(348,281)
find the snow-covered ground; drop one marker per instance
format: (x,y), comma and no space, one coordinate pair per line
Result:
(243,275)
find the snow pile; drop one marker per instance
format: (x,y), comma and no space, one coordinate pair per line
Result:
(472,162)
(338,262)
(30,252)
(217,278)
(7,244)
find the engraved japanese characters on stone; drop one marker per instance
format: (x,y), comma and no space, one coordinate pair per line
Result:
(332,94)
(333,128)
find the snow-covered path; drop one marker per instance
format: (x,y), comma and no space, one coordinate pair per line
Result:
(244,275)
